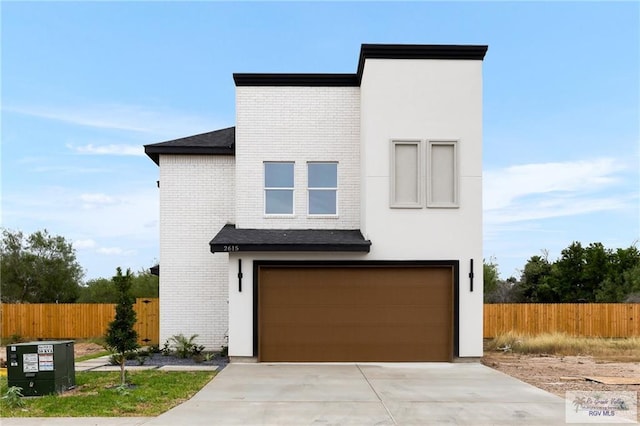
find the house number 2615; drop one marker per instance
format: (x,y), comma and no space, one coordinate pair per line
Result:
(231,248)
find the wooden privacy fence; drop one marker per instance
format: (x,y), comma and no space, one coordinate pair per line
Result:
(76,320)
(577,319)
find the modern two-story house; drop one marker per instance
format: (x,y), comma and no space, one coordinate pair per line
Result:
(339,220)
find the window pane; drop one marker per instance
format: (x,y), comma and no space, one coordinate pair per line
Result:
(279,201)
(443,168)
(322,202)
(323,175)
(278,175)
(406,173)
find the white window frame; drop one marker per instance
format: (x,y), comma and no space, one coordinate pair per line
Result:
(266,188)
(309,189)
(429,177)
(393,203)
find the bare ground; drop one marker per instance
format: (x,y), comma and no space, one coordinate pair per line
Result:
(558,374)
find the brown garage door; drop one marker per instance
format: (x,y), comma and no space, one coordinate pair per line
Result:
(355,314)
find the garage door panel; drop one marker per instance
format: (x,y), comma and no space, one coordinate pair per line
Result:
(355,314)
(352,352)
(309,293)
(322,315)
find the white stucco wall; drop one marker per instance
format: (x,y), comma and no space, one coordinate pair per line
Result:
(196,199)
(298,124)
(426,99)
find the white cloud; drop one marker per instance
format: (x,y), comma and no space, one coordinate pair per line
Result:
(115,251)
(159,122)
(105,117)
(84,244)
(66,170)
(545,190)
(98,200)
(546,209)
(92,245)
(504,186)
(113,149)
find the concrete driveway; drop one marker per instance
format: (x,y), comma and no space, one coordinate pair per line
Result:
(366,394)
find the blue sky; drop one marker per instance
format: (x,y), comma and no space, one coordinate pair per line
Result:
(85,85)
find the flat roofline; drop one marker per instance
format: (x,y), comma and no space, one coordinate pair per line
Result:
(304,80)
(367,51)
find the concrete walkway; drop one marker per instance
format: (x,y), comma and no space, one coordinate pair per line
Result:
(102,364)
(366,394)
(351,394)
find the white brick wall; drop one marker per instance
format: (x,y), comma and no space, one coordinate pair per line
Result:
(297,124)
(197,194)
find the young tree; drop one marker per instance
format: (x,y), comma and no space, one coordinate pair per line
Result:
(40,268)
(121,337)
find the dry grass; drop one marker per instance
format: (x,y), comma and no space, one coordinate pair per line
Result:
(564,344)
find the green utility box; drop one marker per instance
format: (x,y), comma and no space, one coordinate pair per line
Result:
(41,368)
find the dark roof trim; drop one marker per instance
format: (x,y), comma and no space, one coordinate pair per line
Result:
(218,142)
(306,80)
(367,51)
(232,240)
(419,51)
(155,270)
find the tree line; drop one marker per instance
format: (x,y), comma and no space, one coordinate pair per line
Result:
(580,275)
(43,268)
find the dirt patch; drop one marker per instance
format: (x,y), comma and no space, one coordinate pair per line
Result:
(81,349)
(558,374)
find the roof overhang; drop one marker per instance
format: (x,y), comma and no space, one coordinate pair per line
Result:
(296,80)
(155,270)
(232,240)
(218,142)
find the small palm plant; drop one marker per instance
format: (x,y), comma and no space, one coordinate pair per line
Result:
(184,346)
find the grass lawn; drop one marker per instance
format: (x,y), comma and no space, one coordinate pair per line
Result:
(91,356)
(153,393)
(622,349)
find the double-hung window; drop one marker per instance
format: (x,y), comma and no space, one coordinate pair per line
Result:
(278,188)
(323,188)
